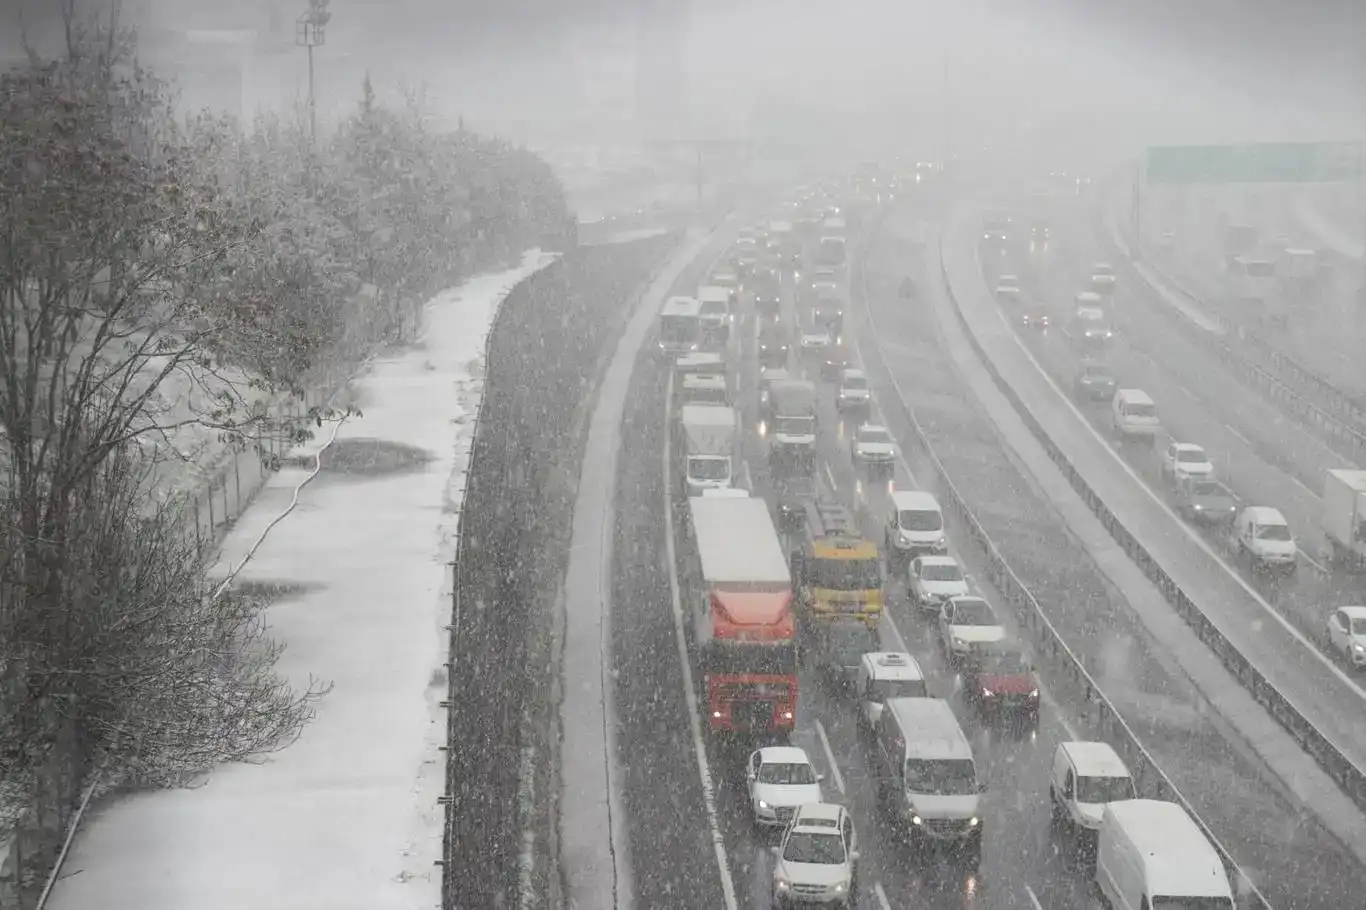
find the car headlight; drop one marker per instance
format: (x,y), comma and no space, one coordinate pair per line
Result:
(917,820)
(1358,648)
(840,887)
(974,822)
(781,883)
(959,643)
(763,804)
(1033,693)
(987,693)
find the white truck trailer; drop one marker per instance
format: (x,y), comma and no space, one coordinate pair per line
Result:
(707,441)
(1343,518)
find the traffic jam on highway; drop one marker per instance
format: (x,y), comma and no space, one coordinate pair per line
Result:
(857,687)
(1076,335)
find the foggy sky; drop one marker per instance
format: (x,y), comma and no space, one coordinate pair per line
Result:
(1062,73)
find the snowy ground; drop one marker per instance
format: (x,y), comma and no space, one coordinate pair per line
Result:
(347,817)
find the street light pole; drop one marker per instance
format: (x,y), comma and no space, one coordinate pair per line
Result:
(310,31)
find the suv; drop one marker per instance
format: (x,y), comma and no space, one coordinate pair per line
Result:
(816,863)
(774,344)
(853,391)
(1094,382)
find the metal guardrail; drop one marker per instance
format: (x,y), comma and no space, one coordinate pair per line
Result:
(1350,778)
(1337,407)
(1149,778)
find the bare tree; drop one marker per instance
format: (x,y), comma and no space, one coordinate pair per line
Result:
(111,230)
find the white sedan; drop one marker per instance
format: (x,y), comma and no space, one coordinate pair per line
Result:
(1347,635)
(965,622)
(780,778)
(935,579)
(872,444)
(1185,459)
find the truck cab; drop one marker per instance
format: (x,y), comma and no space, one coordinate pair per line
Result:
(793,403)
(708,434)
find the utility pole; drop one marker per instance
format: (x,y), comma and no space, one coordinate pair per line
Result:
(310,31)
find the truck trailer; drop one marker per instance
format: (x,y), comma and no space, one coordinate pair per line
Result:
(1343,518)
(739,598)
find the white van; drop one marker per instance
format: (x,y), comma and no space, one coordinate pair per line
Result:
(714,307)
(916,524)
(927,774)
(883,675)
(1085,777)
(1263,536)
(1133,415)
(1151,855)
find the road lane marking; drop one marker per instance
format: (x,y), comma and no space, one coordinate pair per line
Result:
(882,896)
(1033,898)
(689,689)
(830,756)
(830,476)
(1245,441)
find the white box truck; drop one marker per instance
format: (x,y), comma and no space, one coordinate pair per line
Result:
(708,434)
(1343,518)
(794,417)
(1150,854)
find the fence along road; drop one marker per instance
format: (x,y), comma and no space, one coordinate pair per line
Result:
(1281,669)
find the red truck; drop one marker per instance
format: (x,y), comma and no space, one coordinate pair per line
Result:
(738,591)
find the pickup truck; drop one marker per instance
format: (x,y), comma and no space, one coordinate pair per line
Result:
(1204,500)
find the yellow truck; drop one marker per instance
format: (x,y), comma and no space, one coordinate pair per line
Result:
(838,571)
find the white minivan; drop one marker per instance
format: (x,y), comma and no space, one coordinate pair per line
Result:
(915,525)
(1086,776)
(1262,535)
(927,777)
(1151,855)
(1133,415)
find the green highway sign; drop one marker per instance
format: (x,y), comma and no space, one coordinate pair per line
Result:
(1274,162)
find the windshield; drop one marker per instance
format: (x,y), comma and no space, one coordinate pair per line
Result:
(788,773)
(1191,456)
(855,382)
(1104,789)
(920,520)
(1273,532)
(714,308)
(794,426)
(939,572)
(677,328)
(706,395)
(810,847)
(941,777)
(832,251)
(884,689)
(878,437)
(1003,664)
(973,612)
(1095,375)
(709,468)
(1191,903)
(1140,410)
(846,574)
(724,279)
(1205,488)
